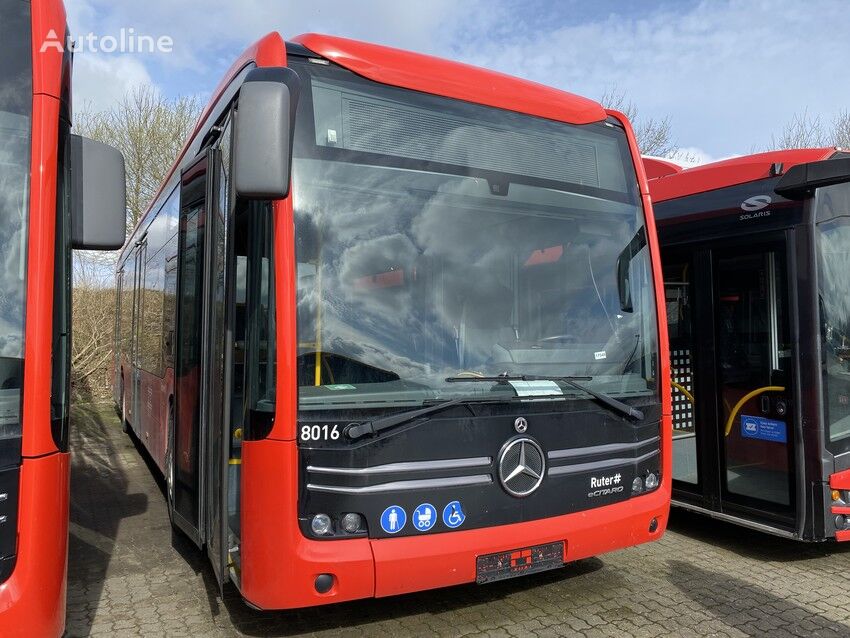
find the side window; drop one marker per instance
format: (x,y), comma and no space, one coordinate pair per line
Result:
(61,364)
(254,321)
(150,337)
(169,301)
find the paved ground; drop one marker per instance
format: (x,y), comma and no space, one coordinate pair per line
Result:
(128,575)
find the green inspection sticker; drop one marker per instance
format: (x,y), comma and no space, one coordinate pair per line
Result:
(340,386)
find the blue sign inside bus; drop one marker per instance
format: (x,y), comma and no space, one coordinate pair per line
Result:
(757,427)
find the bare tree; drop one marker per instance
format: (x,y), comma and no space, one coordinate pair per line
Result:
(654,137)
(149,129)
(803,131)
(841,129)
(92,309)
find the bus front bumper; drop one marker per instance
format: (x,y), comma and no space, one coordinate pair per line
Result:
(365,568)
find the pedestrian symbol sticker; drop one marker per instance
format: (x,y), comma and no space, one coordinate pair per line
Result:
(424,517)
(453,515)
(393,519)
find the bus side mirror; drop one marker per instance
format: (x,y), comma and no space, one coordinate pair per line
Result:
(801,180)
(624,269)
(98,195)
(624,286)
(263,129)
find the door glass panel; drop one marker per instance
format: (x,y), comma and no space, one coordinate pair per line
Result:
(753,359)
(189,347)
(678,292)
(219,404)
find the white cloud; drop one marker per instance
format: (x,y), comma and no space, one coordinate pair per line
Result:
(729,73)
(99,81)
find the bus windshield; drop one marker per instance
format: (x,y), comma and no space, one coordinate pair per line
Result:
(438,239)
(15,113)
(832,206)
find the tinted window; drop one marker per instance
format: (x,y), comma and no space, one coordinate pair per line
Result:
(833,216)
(15,105)
(438,239)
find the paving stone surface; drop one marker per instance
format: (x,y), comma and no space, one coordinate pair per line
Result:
(129,575)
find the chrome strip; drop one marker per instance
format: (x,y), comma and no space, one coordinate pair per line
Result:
(593,466)
(608,448)
(452,481)
(743,522)
(410,466)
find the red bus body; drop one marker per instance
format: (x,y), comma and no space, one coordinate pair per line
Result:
(704,214)
(32,598)
(279,564)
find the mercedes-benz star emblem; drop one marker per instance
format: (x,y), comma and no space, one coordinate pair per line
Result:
(522,466)
(520,425)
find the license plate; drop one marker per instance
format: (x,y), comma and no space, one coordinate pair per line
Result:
(518,562)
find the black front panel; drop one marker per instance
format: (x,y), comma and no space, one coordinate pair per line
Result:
(448,467)
(8,513)
(752,207)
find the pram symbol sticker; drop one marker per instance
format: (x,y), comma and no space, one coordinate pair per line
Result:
(453,515)
(424,517)
(393,519)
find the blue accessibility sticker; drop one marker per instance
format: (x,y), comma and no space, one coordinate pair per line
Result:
(453,515)
(424,517)
(393,519)
(757,427)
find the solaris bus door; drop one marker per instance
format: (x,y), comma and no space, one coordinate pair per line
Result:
(731,356)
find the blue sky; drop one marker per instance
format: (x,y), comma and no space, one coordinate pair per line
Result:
(728,73)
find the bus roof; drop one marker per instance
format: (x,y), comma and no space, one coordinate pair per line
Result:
(659,167)
(457,80)
(730,172)
(404,69)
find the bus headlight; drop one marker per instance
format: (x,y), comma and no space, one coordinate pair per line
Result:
(321,524)
(651,481)
(637,485)
(351,522)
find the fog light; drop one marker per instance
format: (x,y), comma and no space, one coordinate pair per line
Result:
(321,524)
(351,522)
(651,481)
(637,485)
(653,525)
(323,583)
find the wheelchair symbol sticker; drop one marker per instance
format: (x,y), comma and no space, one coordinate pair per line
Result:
(393,519)
(453,515)
(424,517)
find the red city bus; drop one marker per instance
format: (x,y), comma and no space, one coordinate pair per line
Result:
(756,255)
(41,218)
(438,358)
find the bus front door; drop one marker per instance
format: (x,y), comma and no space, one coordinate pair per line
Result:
(185,471)
(731,357)
(198,461)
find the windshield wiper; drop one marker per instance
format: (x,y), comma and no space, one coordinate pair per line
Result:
(608,400)
(371,428)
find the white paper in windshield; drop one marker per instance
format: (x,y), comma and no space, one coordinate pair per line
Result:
(536,388)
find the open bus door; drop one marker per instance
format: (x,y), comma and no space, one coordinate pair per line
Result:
(197,460)
(731,355)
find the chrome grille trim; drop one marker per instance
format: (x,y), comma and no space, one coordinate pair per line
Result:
(608,448)
(400,486)
(604,464)
(409,466)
